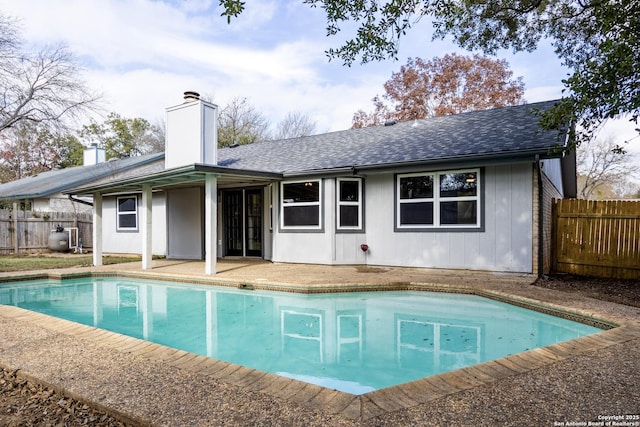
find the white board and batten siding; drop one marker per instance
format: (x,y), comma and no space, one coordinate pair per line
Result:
(185,207)
(552,168)
(504,245)
(131,241)
(306,247)
(191,134)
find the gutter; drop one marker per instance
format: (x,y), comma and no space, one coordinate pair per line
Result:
(456,161)
(538,169)
(84,202)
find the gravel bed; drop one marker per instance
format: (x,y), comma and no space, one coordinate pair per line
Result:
(23,403)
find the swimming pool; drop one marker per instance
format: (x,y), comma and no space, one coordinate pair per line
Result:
(353,342)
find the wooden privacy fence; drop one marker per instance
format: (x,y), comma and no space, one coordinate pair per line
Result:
(597,238)
(28,231)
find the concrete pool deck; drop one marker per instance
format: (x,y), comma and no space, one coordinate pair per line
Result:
(149,384)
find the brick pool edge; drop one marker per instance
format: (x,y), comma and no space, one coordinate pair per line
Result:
(361,407)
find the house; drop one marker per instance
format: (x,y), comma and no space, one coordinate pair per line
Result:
(467,191)
(39,198)
(43,191)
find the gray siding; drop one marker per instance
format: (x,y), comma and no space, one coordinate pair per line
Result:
(184,206)
(552,168)
(131,241)
(504,245)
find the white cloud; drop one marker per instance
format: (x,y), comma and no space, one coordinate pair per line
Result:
(143,54)
(256,14)
(623,133)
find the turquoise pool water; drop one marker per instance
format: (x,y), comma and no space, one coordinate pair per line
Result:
(353,342)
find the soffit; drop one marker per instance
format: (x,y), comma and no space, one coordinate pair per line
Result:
(183,177)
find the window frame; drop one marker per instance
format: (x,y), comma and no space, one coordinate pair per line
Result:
(359,203)
(319,203)
(437,199)
(123,213)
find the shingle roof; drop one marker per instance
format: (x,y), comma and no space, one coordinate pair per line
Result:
(497,132)
(500,132)
(55,181)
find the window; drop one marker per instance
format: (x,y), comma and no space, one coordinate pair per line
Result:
(459,198)
(438,200)
(301,205)
(349,204)
(127,208)
(416,200)
(26,204)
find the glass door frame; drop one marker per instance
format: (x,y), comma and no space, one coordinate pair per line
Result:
(244,194)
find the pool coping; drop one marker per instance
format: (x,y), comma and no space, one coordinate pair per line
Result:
(354,407)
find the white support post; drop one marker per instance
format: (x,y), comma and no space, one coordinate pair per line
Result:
(146,226)
(210,223)
(97,229)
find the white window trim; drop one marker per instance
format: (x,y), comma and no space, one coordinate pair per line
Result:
(118,213)
(284,205)
(357,203)
(400,201)
(436,199)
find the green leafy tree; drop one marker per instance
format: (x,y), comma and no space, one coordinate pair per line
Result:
(597,40)
(448,85)
(71,151)
(124,137)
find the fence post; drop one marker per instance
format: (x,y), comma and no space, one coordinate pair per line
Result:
(554,235)
(14,217)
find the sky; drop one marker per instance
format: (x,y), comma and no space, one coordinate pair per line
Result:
(143,54)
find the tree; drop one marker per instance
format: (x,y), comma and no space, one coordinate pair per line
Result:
(604,172)
(27,149)
(596,39)
(448,85)
(294,125)
(158,136)
(124,137)
(42,87)
(71,151)
(240,123)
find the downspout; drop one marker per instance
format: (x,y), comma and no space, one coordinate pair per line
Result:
(538,170)
(84,202)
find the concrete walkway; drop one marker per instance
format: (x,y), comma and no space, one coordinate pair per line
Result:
(150,384)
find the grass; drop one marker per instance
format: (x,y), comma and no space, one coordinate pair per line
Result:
(37,262)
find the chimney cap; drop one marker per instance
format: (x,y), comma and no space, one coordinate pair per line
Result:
(191,95)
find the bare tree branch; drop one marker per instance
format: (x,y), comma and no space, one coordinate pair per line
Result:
(294,125)
(43,88)
(603,170)
(240,123)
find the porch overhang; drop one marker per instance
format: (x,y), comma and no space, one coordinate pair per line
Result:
(186,176)
(211,178)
